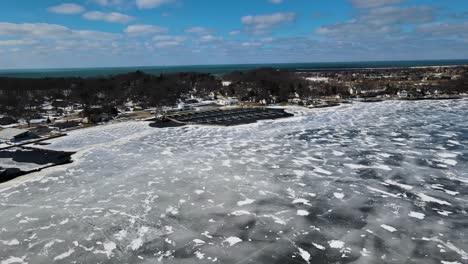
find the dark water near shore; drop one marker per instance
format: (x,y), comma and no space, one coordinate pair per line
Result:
(220,69)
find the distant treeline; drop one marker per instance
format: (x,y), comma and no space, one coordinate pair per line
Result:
(276,86)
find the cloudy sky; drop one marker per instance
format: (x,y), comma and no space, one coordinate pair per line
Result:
(99,33)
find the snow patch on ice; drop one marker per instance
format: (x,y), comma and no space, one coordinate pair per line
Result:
(14,260)
(302,213)
(401,185)
(427,198)
(302,201)
(318,246)
(245,202)
(198,242)
(64,255)
(339,195)
(304,254)
(336,244)
(417,215)
(322,171)
(240,212)
(232,241)
(390,229)
(12,242)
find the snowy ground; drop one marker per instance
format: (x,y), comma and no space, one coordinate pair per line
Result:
(364,183)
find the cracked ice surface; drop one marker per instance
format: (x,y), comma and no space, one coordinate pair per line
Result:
(364,183)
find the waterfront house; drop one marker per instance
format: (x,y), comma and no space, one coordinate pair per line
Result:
(227,101)
(402,94)
(355,90)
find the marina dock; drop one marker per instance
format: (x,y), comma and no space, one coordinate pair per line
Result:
(230,117)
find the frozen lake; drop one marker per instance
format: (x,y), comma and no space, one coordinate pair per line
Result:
(364,183)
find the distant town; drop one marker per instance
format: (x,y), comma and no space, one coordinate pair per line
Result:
(32,109)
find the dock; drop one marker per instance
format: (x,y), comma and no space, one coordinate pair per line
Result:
(231,117)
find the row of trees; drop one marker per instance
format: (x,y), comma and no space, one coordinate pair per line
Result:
(23,98)
(268,84)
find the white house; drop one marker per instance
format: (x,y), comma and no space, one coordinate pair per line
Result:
(227,101)
(354,91)
(402,94)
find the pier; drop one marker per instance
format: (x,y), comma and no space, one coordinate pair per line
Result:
(232,117)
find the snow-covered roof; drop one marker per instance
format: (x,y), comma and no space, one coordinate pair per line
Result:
(11,133)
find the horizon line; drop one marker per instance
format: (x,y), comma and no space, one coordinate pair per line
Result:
(229,64)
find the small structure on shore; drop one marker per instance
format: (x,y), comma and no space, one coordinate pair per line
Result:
(61,126)
(14,135)
(403,94)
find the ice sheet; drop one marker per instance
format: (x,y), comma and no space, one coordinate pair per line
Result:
(361,183)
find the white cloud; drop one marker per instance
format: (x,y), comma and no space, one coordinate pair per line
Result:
(210,38)
(169,38)
(165,44)
(16,42)
(399,15)
(354,29)
(67,9)
(148,4)
(379,22)
(95,35)
(198,31)
(51,31)
(234,33)
(33,30)
(444,30)
(144,29)
(263,24)
(374,3)
(112,17)
(276,1)
(109,2)
(251,44)
(101,2)
(166,41)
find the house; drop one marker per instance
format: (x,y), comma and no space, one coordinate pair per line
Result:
(65,125)
(227,101)
(98,114)
(41,130)
(355,91)
(181,106)
(295,100)
(14,134)
(402,94)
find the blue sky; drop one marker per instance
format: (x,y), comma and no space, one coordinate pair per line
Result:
(100,33)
